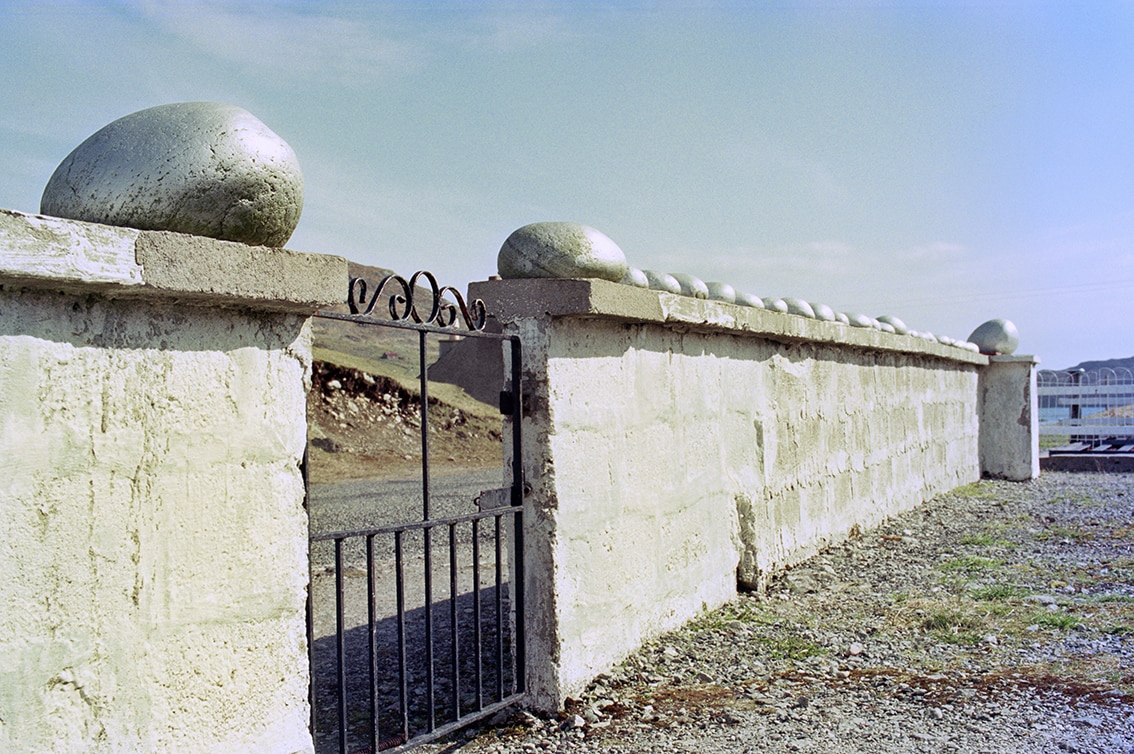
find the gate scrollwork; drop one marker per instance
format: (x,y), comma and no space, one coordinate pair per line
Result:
(402,306)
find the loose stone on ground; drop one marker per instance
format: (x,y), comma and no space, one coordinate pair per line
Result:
(930,634)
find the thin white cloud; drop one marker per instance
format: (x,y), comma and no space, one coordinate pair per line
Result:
(283,43)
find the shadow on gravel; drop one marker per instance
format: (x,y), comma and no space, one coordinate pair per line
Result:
(480,672)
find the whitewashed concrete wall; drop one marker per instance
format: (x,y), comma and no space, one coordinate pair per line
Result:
(153,543)
(676,447)
(1009,418)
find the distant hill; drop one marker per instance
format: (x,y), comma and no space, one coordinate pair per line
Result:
(1090,366)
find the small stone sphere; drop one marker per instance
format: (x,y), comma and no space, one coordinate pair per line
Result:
(691,286)
(860,320)
(775,304)
(886,327)
(799,307)
(899,326)
(823,312)
(662,281)
(722,292)
(560,250)
(747,299)
(840,316)
(636,278)
(996,336)
(202,168)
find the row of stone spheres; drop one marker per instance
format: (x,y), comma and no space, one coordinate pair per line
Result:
(215,170)
(573,250)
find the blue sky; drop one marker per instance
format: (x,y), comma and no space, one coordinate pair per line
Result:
(947,162)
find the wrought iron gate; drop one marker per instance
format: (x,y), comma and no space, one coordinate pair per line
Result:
(403,668)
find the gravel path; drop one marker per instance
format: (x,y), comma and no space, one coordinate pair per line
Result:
(996,618)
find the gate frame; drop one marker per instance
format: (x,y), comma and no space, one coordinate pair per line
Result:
(441,319)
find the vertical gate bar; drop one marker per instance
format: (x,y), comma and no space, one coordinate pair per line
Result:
(372,626)
(519,636)
(430,712)
(400,587)
(499,613)
(477,638)
(428,531)
(340,645)
(453,635)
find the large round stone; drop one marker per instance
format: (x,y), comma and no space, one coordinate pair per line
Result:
(799,307)
(996,336)
(560,250)
(191,167)
(899,326)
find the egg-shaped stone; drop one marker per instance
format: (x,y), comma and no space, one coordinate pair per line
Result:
(842,317)
(747,299)
(691,285)
(799,307)
(202,168)
(899,326)
(886,327)
(860,320)
(823,312)
(560,250)
(721,292)
(662,281)
(636,278)
(996,336)
(775,304)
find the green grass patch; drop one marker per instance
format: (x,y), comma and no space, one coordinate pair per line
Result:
(1064,532)
(969,564)
(1114,598)
(1061,621)
(1047,442)
(976,489)
(997,593)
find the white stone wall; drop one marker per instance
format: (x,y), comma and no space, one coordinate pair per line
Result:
(153,542)
(676,446)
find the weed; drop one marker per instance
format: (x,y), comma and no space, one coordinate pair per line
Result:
(943,620)
(790,647)
(969,564)
(1056,620)
(1062,532)
(996,593)
(1120,598)
(976,489)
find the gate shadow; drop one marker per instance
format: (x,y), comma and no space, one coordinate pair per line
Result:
(482,672)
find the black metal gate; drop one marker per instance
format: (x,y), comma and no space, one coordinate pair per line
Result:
(407,661)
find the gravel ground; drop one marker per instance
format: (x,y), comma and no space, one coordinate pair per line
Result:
(996,618)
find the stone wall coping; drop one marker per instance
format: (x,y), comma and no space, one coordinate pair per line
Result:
(510,300)
(1021,358)
(37,251)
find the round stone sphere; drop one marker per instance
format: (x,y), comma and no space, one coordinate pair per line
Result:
(996,336)
(636,278)
(747,299)
(691,285)
(662,281)
(775,304)
(560,250)
(202,168)
(823,312)
(799,307)
(899,326)
(721,292)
